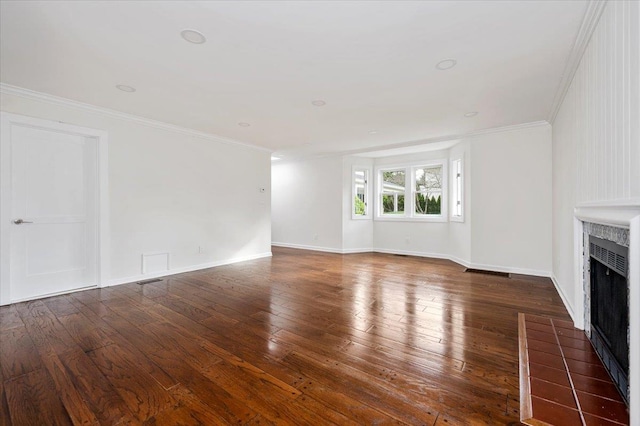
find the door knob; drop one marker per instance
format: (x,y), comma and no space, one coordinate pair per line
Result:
(20,221)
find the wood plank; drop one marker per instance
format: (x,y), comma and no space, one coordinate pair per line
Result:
(18,354)
(32,400)
(9,317)
(95,388)
(46,331)
(5,419)
(218,400)
(143,395)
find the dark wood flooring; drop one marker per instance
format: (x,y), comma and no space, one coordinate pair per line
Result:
(303,338)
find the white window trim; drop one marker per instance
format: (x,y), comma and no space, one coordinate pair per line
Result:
(367,193)
(453,217)
(409,212)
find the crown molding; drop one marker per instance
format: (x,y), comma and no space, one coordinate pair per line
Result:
(8,89)
(587,27)
(448,138)
(292,158)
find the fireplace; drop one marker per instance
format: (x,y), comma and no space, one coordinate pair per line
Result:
(617,223)
(609,307)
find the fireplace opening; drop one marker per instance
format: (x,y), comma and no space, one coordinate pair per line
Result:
(610,309)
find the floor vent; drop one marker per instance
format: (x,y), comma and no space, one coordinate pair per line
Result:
(483,271)
(155,280)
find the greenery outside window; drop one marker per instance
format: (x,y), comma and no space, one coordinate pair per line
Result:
(428,190)
(360,185)
(393,192)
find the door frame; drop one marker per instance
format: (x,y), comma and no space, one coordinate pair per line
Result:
(7,121)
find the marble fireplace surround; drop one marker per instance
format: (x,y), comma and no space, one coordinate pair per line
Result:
(621,225)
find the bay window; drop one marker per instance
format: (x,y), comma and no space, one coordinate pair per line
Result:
(412,192)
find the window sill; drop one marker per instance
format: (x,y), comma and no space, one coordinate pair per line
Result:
(361,217)
(438,219)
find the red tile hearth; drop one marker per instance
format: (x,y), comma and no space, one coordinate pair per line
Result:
(562,380)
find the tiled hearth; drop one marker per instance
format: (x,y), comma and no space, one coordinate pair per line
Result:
(562,380)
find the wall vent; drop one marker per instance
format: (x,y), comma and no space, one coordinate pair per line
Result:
(609,254)
(486,272)
(155,280)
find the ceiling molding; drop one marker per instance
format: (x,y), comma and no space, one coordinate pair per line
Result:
(287,158)
(588,26)
(447,138)
(8,89)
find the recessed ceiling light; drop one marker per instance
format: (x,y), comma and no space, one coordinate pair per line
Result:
(446,64)
(242,124)
(274,158)
(318,102)
(373,132)
(193,36)
(126,88)
(471,114)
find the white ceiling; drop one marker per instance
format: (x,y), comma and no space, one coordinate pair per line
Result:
(373,63)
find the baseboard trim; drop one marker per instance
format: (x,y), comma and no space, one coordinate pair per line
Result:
(564,298)
(412,253)
(510,270)
(174,271)
(466,264)
(322,249)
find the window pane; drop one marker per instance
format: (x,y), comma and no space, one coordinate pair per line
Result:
(428,195)
(393,184)
(426,204)
(458,199)
(360,183)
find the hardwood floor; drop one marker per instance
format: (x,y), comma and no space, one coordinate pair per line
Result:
(303,338)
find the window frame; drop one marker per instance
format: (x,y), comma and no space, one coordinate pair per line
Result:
(457,189)
(409,192)
(367,193)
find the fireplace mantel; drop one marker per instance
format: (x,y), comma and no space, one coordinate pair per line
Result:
(622,215)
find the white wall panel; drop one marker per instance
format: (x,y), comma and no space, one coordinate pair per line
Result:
(596,143)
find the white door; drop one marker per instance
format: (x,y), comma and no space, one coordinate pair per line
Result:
(53,230)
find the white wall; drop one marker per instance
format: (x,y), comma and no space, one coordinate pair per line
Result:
(172,192)
(511,199)
(307,203)
(596,142)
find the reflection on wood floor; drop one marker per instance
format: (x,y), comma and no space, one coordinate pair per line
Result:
(303,338)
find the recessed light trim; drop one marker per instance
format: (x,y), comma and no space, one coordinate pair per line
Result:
(193,36)
(125,88)
(243,124)
(275,158)
(318,103)
(471,114)
(373,132)
(446,64)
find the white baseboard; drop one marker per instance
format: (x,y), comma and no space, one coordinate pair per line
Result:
(412,253)
(510,270)
(465,263)
(323,249)
(174,271)
(564,298)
